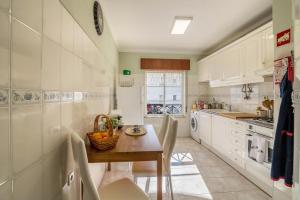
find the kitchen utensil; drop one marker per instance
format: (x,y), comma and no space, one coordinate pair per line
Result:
(266,103)
(218,106)
(261,113)
(270,114)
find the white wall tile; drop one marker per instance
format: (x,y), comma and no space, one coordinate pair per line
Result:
(66,118)
(67,34)
(51,65)
(52,19)
(5,191)
(76,74)
(29,12)
(67,62)
(52,175)
(26,57)
(4,4)
(52,138)
(28,185)
(27,135)
(4,144)
(79,36)
(4,50)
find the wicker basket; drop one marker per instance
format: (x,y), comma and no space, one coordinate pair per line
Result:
(110,139)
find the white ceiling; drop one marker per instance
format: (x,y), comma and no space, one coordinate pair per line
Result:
(145,25)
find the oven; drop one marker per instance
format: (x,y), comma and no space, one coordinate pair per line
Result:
(267,161)
(260,170)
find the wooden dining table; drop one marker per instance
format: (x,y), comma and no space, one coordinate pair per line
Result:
(132,148)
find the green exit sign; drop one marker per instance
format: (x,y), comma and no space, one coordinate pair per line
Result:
(126,72)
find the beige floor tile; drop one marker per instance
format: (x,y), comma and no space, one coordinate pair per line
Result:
(197,174)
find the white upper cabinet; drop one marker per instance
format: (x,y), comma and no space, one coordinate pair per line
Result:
(203,71)
(268,47)
(231,63)
(251,51)
(216,67)
(267,53)
(246,60)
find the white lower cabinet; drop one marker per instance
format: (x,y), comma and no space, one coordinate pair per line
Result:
(227,138)
(205,127)
(220,134)
(237,142)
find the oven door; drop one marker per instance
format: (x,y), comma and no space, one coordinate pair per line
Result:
(268,149)
(261,171)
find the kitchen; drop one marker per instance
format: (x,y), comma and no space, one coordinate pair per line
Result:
(137,99)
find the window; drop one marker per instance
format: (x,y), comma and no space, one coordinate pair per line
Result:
(165,93)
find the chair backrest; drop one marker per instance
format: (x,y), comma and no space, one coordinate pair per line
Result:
(80,157)
(163,128)
(169,141)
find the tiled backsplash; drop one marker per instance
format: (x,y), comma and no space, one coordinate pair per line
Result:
(53,80)
(233,95)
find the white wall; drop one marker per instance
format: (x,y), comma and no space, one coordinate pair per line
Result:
(282,20)
(296,18)
(129,60)
(233,95)
(53,80)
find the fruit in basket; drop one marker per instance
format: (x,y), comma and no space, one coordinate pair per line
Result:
(100,135)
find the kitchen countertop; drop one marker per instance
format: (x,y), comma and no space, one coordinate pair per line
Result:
(246,118)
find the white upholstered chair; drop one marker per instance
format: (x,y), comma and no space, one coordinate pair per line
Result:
(148,168)
(163,129)
(123,189)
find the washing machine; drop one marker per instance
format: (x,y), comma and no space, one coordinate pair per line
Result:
(194,125)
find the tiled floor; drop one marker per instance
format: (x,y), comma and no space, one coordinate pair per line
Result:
(197,174)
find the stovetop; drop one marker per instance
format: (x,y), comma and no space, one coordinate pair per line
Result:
(261,122)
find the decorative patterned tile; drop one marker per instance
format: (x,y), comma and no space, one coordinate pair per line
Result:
(51,96)
(67,96)
(85,95)
(78,96)
(4,97)
(26,97)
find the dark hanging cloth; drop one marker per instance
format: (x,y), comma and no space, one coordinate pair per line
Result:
(282,160)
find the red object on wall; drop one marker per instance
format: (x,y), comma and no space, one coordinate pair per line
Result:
(283,38)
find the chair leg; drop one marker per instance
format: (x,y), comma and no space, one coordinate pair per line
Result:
(171,186)
(167,186)
(147,185)
(135,179)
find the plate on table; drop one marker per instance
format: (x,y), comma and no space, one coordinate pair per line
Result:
(135,131)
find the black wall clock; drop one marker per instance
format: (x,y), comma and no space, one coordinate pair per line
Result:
(98,18)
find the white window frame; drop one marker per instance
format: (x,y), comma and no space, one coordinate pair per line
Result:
(183,97)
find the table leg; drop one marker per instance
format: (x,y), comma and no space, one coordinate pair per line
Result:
(109,166)
(159,176)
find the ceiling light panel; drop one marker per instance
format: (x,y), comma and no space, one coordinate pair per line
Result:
(180,25)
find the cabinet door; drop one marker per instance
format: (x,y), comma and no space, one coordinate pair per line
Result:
(202,71)
(205,128)
(219,132)
(215,67)
(231,63)
(268,47)
(251,55)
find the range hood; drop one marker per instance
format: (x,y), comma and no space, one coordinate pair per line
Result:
(265,72)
